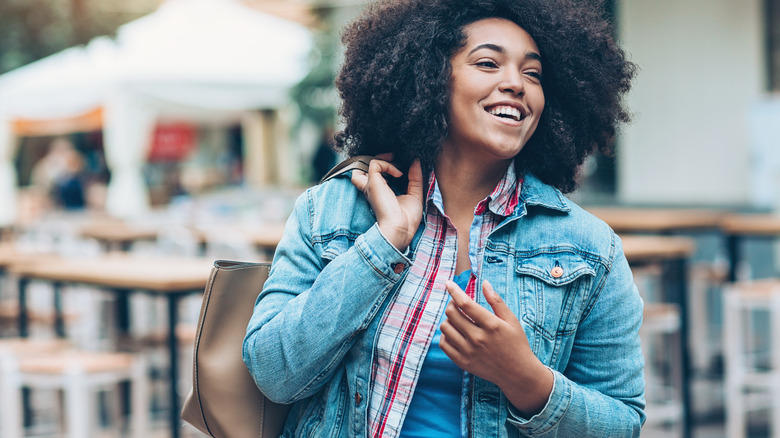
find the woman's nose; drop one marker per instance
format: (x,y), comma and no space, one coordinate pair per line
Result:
(512,83)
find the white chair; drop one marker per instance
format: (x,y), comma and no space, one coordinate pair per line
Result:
(76,373)
(12,348)
(751,353)
(154,348)
(705,325)
(660,336)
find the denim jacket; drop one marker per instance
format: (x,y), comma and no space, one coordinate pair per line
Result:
(311,337)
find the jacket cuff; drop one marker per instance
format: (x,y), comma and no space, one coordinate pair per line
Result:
(385,258)
(548,418)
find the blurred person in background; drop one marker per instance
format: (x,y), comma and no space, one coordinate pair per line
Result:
(452,290)
(325,156)
(60,174)
(69,187)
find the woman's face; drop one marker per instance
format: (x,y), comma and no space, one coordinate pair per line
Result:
(496,95)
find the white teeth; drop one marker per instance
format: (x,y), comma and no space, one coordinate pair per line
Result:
(508,111)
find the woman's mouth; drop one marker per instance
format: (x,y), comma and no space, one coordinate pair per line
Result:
(506,112)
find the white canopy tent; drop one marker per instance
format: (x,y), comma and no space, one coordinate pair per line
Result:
(199,59)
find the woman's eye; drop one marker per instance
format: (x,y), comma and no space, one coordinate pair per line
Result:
(486,63)
(534,74)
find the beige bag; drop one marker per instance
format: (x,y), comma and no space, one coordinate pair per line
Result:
(224,400)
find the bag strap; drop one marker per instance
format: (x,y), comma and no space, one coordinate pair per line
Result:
(359,162)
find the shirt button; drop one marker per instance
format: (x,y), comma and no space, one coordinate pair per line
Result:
(557,272)
(358,398)
(398,268)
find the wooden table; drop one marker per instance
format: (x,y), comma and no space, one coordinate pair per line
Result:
(172,278)
(672,253)
(263,237)
(117,235)
(643,249)
(737,227)
(657,220)
(266,236)
(12,254)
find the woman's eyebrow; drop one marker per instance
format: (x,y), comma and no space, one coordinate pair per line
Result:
(533,55)
(493,47)
(500,49)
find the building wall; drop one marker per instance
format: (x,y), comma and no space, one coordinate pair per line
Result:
(702,64)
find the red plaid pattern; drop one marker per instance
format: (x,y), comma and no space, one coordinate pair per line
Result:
(411,319)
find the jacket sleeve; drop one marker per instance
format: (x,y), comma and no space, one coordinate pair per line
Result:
(309,312)
(601,392)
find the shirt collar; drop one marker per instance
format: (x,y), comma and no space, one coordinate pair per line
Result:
(503,200)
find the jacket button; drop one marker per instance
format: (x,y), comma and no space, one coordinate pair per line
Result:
(557,272)
(398,268)
(358,398)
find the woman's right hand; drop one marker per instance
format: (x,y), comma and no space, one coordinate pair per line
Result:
(397,216)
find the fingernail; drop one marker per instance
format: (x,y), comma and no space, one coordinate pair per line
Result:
(449,285)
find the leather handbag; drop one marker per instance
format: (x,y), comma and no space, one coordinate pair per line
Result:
(224,401)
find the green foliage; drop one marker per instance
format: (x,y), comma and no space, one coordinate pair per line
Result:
(315,95)
(33,29)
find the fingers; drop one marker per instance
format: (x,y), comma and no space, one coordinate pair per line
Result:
(359,180)
(452,340)
(474,312)
(382,165)
(415,187)
(376,168)
(454,311)
(496,303)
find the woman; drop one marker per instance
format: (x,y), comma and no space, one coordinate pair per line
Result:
(476,300)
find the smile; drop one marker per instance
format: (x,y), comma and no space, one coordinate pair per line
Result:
(506,112)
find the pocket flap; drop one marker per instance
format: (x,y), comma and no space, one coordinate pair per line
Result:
(556,268)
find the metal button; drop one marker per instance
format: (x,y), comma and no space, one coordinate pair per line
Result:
(557,272)
(398,268)
(358,398)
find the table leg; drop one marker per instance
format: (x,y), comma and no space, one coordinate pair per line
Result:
(23,332)
(23,318)
(59,319)
(122,303)
(677,282)
(173,303)
(732,246)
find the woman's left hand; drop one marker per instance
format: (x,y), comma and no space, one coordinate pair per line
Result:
(494,347)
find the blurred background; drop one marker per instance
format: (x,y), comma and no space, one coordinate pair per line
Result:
(182,131)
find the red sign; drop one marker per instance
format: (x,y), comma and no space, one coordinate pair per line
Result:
(172,142)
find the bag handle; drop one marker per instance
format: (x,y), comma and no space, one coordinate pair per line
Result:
(359,162)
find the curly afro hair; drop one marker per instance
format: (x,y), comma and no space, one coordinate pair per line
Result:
(395,78)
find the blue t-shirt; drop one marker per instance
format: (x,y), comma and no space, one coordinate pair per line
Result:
(435,407)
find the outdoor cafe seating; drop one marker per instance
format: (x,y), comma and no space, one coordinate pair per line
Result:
(688,333)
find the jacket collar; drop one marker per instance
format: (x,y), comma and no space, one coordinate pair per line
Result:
(535,192)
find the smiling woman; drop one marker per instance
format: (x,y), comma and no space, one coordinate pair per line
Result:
(452,290)
(395,81)
(496,96)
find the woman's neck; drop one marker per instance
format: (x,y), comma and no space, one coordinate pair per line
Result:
(463,183)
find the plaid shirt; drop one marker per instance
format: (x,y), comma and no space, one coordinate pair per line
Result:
(410,321)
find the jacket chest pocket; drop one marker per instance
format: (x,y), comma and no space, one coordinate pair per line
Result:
(553,287)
